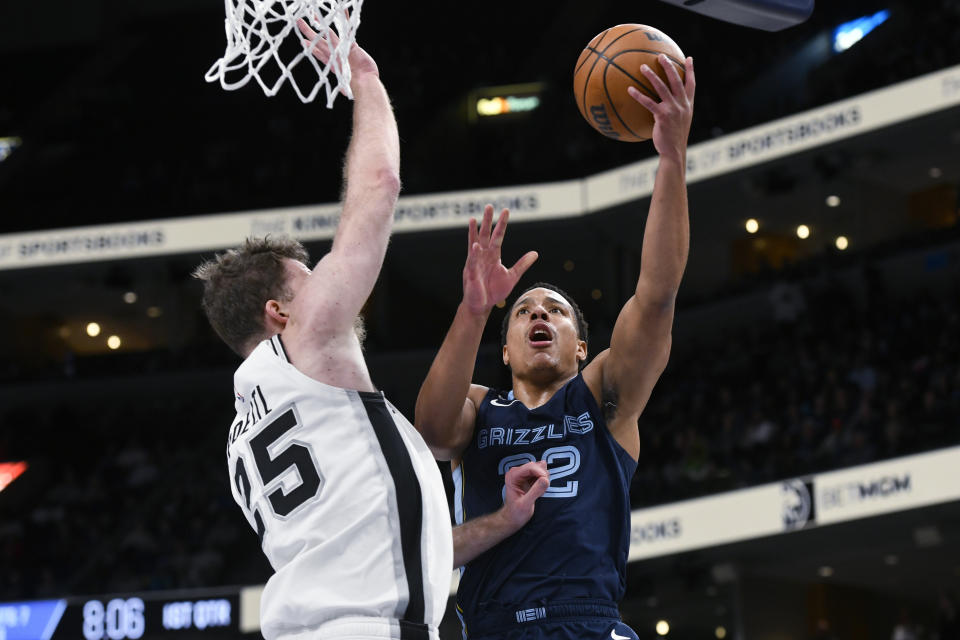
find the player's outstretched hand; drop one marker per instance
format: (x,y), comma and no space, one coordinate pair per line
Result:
(524,484)
(673,114)
(485,280)
(360,61)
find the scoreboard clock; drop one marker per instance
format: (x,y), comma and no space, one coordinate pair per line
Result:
(150,616)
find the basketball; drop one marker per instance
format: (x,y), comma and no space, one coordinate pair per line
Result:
(608,65)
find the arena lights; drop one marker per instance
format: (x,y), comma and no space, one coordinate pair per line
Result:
(499,106)
(154,312)
(93,329)
(842,243)
(935,172)
(833,201)
(130,297)
(7,145)
(114,342)
(514,99)
(850,33)
(825,571)
(663,627)
(752,226)
(720,632)
(803,232)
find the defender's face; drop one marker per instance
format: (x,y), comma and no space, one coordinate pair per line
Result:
(542,335)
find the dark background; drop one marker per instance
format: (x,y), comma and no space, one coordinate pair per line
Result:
(127,488)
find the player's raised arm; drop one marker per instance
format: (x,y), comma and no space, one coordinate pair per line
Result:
(342,281)
(640,345)
(446,406)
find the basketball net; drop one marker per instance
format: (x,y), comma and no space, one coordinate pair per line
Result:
(255,30)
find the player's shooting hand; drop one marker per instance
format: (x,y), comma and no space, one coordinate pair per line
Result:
(524,484)
(485,280)
(673,114)
(360,61)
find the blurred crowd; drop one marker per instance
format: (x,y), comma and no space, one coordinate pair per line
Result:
(136,498)
(835,382)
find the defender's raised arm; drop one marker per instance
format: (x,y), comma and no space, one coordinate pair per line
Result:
(341,282)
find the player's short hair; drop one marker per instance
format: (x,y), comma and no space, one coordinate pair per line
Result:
(237,284)
(577,313)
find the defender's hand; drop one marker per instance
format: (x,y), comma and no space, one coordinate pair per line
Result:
(360,61)
(673,114)
(485,280)
(524,484)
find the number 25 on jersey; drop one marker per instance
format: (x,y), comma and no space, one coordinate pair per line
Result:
(273,464)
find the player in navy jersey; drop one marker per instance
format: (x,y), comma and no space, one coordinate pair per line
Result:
(563,573)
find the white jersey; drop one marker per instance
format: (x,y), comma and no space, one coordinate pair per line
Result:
(348,502)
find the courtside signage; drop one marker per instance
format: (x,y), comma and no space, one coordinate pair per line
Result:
(528,203)
(886,487)
(825,125)
(837,496)
(308,223)
(706,522)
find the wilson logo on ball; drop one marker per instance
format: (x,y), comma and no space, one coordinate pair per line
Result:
(602,121)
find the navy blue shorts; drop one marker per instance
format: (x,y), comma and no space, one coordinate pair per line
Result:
(556,621)
(586,629)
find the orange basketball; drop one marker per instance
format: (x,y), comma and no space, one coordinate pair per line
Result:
(610,64)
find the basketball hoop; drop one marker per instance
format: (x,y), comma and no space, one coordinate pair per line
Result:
(256,30)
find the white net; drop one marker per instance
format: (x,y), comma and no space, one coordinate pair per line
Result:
(256,47)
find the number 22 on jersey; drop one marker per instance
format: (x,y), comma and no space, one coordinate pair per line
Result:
(273,463)
(553,455)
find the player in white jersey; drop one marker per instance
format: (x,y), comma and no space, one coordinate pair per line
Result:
(344,494)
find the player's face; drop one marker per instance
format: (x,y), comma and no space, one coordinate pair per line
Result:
(542,335)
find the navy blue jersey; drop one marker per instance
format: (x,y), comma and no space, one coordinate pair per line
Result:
(576,545)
